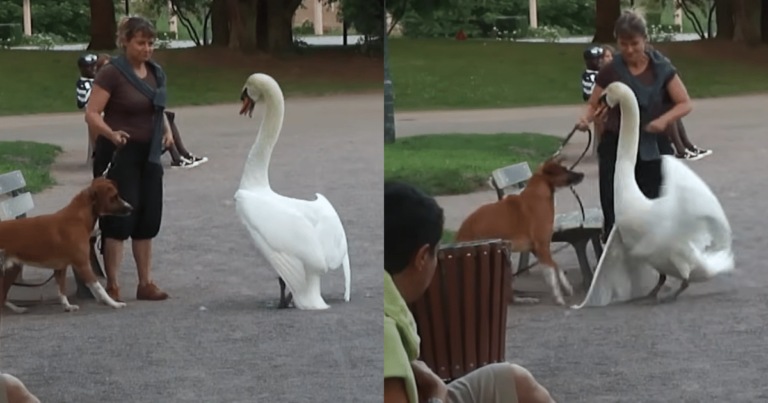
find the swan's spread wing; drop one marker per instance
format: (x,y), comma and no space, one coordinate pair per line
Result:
(698,211)
(281,232)
(618,277)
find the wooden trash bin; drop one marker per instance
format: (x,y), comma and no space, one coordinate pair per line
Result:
(462,317)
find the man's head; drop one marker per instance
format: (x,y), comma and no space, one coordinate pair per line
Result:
(592,57)
(413,226)
(87,65)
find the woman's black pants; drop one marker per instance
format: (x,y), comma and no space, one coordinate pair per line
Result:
(139,182)
(647,175)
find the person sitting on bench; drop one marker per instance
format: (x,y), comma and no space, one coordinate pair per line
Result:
(413,227)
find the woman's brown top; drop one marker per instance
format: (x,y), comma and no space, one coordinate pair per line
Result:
(647,77)
(127,109)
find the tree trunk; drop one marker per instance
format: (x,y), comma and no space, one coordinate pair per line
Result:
(103,25)
(279,16)
(747,17)
(219,23)
(764,22)
(606,14)
(725,20)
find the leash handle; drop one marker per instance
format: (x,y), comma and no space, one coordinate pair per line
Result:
(111,162)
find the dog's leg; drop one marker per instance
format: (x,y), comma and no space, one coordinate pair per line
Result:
(9,277)
(61,280)
(555,278)
(85,272)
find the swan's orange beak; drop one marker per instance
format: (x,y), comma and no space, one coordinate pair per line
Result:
(247,107)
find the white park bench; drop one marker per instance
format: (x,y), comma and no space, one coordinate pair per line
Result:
(568,227)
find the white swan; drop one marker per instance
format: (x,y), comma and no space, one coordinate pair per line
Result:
(301,239)
(683,234)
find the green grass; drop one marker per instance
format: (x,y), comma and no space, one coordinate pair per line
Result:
(44,81)
(447,236)
(449,74)
(443,164)
(33,159)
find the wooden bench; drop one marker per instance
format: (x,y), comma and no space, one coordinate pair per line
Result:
(17,207)
(568,227)
(462,316)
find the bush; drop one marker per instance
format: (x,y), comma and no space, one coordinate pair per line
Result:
(10,35)
(68,19)
(494,17)
(306,28)
(166,36)
(42,41)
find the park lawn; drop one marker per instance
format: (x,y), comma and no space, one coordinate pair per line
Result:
(445,164)
(33,159)
(44,81)
(449,74)
(447,237)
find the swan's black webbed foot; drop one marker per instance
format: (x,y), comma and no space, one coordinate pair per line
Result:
(285,301)
(655,291)
(673,297)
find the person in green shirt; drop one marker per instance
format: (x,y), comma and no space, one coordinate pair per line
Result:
(413,227)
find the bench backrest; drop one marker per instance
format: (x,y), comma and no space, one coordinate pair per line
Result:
(511,179)
(19,203)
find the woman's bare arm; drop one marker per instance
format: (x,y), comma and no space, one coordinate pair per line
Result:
(96,104)
(680,98)
(394,391)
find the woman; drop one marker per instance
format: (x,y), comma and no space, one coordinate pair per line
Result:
(662,98)
(130,90)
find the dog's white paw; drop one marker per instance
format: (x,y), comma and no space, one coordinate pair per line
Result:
(559,300)
(118,305)
(71,308)
(525,300)
(14,308)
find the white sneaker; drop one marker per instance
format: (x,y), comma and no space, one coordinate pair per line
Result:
(197,160)
(184,163)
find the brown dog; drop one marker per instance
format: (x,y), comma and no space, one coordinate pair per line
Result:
(526,220)
(59,240)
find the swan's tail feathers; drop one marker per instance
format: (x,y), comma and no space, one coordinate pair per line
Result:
(713,264)
(347,277)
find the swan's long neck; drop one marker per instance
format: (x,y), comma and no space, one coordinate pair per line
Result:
(256,171)
(625,184)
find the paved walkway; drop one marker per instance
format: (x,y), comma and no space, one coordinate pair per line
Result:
(219,339)
(708,346)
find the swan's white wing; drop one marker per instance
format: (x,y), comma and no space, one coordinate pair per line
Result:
(690,193)
(328,227)
(284,231)
(333,239)
(618,278)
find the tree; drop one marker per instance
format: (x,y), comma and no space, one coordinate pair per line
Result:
(103,25)
(764,21)
(726,26)
(606,14)
(747,17)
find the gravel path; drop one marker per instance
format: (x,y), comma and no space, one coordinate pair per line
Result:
(710,344)
(219,339)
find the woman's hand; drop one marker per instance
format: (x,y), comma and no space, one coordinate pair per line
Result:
(119,137)
(428,383)
(167,140)
(657,126)
(582,124)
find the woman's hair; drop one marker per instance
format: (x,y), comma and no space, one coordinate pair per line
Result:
(630,23)
(132,26)
(609,48)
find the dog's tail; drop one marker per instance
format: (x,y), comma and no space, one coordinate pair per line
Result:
(347,279)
